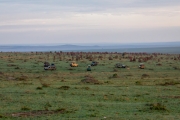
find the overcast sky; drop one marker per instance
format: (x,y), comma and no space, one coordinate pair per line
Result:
(89,21)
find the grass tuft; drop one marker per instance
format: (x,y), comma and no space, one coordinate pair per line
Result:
(39,88)
(64,87)
(24,108)
(45,84)
(138,83)
(157,106)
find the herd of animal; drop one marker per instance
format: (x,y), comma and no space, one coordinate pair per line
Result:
(91,56)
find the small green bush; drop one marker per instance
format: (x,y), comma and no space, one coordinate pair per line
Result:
(39,88)
(157,106)
(24,108)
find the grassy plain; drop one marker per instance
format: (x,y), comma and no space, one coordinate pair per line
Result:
(30,92)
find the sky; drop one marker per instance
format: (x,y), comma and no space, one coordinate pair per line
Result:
(89,21)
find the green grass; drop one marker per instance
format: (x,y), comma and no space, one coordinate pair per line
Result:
(121,94)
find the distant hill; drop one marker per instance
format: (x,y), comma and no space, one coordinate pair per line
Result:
(167,47)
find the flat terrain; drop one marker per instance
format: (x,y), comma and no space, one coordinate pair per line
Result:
(30,92)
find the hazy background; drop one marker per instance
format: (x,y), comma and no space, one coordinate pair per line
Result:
(89,21)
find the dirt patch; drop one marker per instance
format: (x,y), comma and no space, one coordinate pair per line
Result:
(36,113)
(89,79)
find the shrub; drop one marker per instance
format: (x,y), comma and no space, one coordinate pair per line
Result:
(157,106)
(25,108)
(39,88)
(61,109)
(138,83)
(64,87)
(114,76)
(16,68)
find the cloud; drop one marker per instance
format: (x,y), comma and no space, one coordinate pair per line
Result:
(93,19)
(92,36)
(118,20)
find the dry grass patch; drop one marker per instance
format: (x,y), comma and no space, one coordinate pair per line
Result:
(44,84)
(89,79)
(145,76)
(22,78)
(37,113)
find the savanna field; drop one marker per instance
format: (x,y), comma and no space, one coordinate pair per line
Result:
(27,91)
